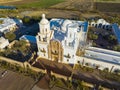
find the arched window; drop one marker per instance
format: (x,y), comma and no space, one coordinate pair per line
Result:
(39,38)
(95,25)
(78,62)
(46,29)
(100,25)
(65,42)
(70,35)
(67,60)
(43,30)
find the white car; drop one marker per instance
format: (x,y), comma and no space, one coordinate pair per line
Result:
(5,72)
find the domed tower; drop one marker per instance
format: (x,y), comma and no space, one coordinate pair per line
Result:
(45,32)
(44,25)
(44,36)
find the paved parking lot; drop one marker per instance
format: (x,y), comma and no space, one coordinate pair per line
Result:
(15,81)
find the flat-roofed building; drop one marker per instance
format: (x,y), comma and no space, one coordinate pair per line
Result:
(8,24)
(100,58)
(3,42)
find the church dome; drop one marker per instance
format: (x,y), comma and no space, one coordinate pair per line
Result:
(64,25)
(101,21)
(66,22)
(44,20)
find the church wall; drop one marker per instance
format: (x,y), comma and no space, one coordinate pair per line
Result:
(69,55)
(43,50)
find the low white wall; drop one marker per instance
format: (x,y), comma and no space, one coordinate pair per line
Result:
(22,64)
(93,62)
(11,61)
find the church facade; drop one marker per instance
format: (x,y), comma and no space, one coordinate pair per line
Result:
(59,39)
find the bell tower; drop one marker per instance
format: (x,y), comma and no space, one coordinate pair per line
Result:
(45,33)
(44,36)
(44,25)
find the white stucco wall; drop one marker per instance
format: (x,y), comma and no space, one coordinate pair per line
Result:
(93,62)
(41,47)
(71,52)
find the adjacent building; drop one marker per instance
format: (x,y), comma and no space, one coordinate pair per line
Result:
(100,58)
(8,24)
(28,38)
(3,42)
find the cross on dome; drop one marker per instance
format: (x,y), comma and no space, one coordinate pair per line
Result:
(43,15)
(44,21)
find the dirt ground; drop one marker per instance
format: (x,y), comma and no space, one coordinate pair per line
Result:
(52,13)
(15,81)
(66,69)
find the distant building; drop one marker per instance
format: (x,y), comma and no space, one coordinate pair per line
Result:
(8,24)
(3,42)
(100,23)
(7,7)
(59,39)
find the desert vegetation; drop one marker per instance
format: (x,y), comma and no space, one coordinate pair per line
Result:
(105,40)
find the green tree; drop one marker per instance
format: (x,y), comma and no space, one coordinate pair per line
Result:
(112,39)
(10,36)
(1,21)
(116,48)
(26,20)
(91,35)
(94,36)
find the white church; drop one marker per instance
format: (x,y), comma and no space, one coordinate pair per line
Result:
(59,39)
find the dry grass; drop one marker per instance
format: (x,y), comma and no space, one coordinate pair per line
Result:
(75,5)
(33,3)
